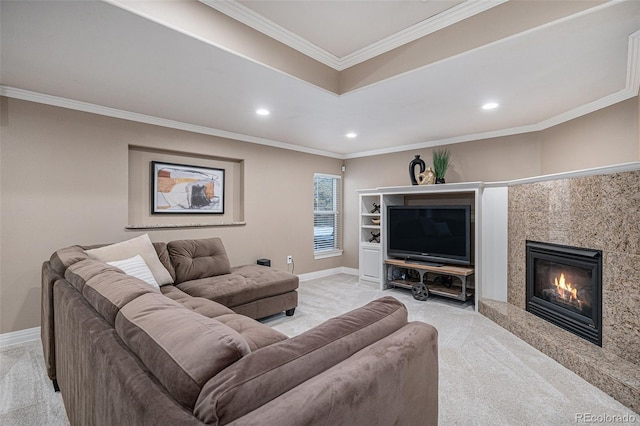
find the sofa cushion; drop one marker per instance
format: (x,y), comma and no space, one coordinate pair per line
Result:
(271,371)
(140,245)
(110,290)
(195,259)
(242,285)
(206,307)
(181,348)
(256,334)
(80,272)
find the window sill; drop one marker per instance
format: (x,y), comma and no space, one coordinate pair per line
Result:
(326,254)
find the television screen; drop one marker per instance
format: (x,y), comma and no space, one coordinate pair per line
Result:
(440,234)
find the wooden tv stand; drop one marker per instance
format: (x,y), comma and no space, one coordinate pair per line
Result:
(457,291)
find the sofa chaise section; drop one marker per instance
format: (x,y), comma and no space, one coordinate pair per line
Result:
(202,269)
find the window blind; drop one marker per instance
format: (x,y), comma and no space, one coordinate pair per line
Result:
(327,204)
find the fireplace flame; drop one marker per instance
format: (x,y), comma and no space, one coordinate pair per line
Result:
(566,290)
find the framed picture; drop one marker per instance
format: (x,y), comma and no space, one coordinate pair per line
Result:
(179,188)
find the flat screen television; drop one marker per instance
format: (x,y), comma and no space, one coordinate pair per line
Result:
(432,234)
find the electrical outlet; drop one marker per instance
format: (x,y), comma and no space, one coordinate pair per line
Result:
(289,260)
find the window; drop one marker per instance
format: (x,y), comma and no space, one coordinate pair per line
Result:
(326,216)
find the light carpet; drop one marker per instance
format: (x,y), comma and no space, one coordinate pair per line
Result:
(488,376)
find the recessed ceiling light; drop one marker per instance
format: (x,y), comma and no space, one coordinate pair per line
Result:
(262,111)
(351,135)
(490,105)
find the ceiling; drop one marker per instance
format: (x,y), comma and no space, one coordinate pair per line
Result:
(403,75)
(356,27)
(354,24)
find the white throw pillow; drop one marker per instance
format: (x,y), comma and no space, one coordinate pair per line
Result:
(136,266)
(140,245)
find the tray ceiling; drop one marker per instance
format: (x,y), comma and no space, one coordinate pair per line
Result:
(402,75)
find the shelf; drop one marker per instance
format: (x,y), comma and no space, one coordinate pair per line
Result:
(445,269)
(440,188)
(439,290)
(373,243)
(453,291)
(368,244)
(184,225)
(371,226)
(402,284)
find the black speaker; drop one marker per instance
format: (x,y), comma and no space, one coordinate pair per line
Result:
(264,262)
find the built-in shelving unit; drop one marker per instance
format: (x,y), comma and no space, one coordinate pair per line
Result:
(373,255)
(370,236)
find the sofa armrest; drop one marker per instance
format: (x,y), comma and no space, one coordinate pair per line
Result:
(392,382)
(47,332)
(61,259)
(269,372)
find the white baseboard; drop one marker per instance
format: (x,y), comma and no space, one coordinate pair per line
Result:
(20,336)
(327,272)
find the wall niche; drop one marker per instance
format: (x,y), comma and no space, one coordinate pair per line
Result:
(140,192)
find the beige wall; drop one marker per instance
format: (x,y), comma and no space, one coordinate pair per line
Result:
(605,137)
(64,180)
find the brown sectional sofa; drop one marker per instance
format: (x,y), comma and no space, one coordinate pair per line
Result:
(124,352)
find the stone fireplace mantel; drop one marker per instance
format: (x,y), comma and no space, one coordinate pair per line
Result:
(597,208)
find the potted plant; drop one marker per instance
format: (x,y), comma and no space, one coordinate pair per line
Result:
(441,161)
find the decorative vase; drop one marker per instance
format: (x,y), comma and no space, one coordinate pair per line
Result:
(412,165)
(440,180)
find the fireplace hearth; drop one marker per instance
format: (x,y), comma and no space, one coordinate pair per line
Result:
(564,287)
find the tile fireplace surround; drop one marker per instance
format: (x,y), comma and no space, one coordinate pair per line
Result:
(600,212)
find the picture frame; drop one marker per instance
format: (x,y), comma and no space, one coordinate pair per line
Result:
(186,189)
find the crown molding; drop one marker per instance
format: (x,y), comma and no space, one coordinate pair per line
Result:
(26,95)
(258,22)
(421,29)
(266,26)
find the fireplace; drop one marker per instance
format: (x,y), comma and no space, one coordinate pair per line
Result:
(564,287)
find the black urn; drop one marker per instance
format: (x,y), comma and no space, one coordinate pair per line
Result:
(417,161)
